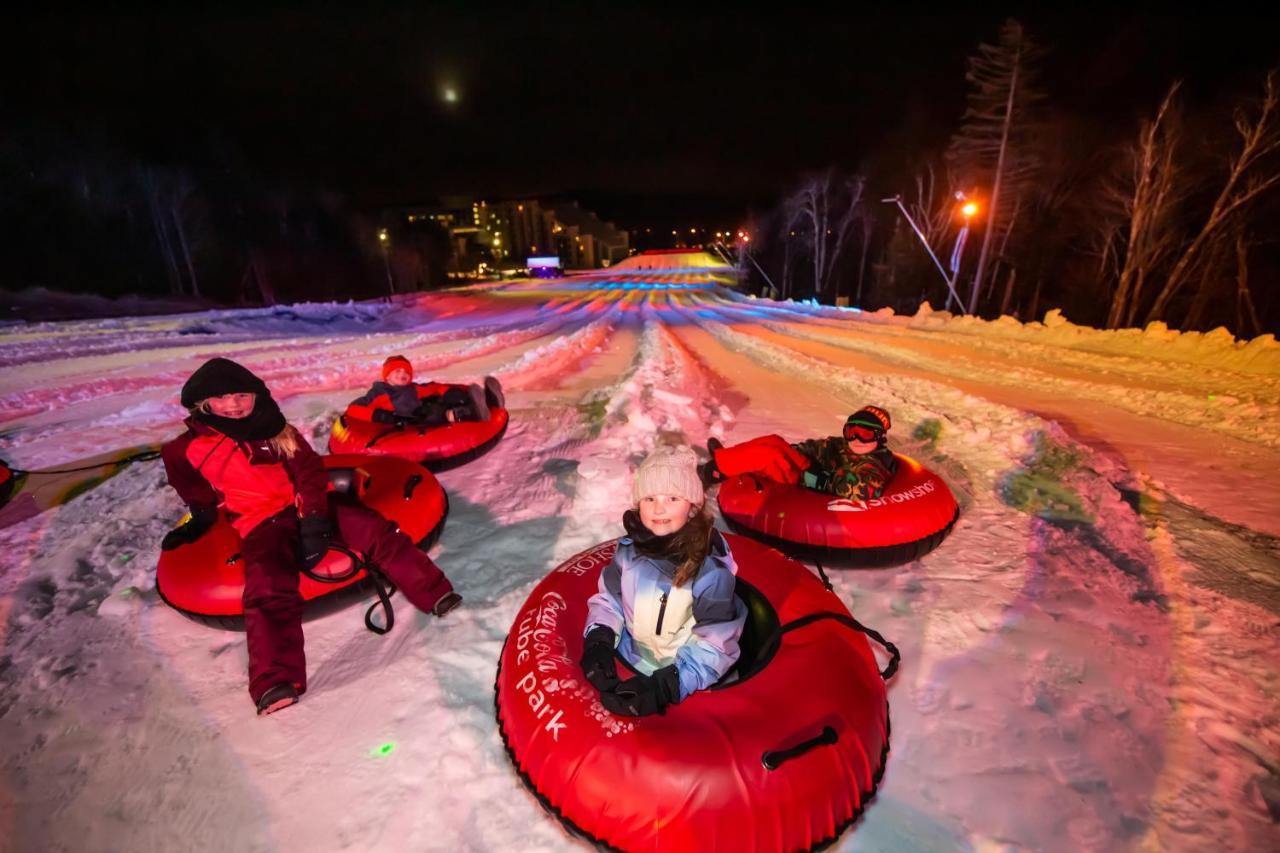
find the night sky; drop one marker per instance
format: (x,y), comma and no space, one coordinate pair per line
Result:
(649,116)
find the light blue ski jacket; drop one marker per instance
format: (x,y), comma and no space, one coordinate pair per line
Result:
(695,626)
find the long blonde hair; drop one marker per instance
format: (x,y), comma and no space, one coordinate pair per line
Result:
(286,442)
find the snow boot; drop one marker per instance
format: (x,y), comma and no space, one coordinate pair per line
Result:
(493,393)
(479,407)
(280,696)
(447,602)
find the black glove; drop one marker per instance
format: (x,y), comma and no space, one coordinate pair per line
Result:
(386,416)
(644,694)
(598,663)
(817,478)
(202,518)
(314,533)
(431,412)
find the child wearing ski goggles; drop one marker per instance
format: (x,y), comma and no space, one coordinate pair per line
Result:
(856,465)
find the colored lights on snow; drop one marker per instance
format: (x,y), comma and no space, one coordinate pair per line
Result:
(385,749)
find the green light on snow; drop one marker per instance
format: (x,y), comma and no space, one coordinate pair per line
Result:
(1211,396)
(124,558)
(385,749)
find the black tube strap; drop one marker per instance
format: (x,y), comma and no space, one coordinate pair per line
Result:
(357,564)
(826,581)
(384,589)
(850,622)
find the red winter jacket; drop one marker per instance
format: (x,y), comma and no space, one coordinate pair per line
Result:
(380,396)
(250,480)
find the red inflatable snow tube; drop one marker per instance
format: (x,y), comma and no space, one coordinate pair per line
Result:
(205,579)
(7,482)
(784,756)
(438,448)
(915,513)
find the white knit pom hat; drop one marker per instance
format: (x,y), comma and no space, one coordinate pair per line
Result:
(669,470)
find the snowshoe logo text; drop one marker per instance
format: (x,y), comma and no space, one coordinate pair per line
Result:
(589,561)
(844,505)
(536,642)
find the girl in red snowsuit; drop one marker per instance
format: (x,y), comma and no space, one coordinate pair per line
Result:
(240,454)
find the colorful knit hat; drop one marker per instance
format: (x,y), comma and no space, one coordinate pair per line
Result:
(669,470)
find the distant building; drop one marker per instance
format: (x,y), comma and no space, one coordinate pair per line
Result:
(502,234)
(587,242)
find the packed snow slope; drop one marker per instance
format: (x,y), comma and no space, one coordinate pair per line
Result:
(1089,660)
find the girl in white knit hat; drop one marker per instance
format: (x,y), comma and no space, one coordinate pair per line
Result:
(666,602)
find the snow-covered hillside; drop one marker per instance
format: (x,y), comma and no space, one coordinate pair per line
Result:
(1089,660)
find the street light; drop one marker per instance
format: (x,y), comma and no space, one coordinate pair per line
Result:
(384,240)
(949,279)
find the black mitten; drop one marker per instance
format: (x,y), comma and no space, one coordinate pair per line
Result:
(314,532)
(431,412)
(386,416)
(817,478)
(202,518)
(644,694)
(708,472)
(598,662)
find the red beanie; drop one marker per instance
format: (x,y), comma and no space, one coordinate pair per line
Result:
(396,361)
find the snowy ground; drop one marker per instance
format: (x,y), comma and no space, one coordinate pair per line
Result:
(1085,658)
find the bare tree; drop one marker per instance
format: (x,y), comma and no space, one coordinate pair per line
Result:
(180,198)
(825,209)
(1251,172)
(1244,301)
(934,204)
(868,226)
(1148,200)
(994,145)
(157,204)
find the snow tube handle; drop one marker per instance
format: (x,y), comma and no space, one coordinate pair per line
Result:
(410,485)
(775,758)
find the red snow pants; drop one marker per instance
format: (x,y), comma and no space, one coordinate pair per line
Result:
(273,606)
(769,456)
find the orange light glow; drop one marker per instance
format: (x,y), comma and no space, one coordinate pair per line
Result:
(969,209)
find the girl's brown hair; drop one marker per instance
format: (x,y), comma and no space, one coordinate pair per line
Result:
(692,543)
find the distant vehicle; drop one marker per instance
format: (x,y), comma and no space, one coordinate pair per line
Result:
(545,266)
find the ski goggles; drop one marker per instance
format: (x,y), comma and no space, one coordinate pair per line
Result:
(857,432)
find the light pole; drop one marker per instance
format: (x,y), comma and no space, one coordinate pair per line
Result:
(744,251)
(967,210)
(949,279)
(384,240)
